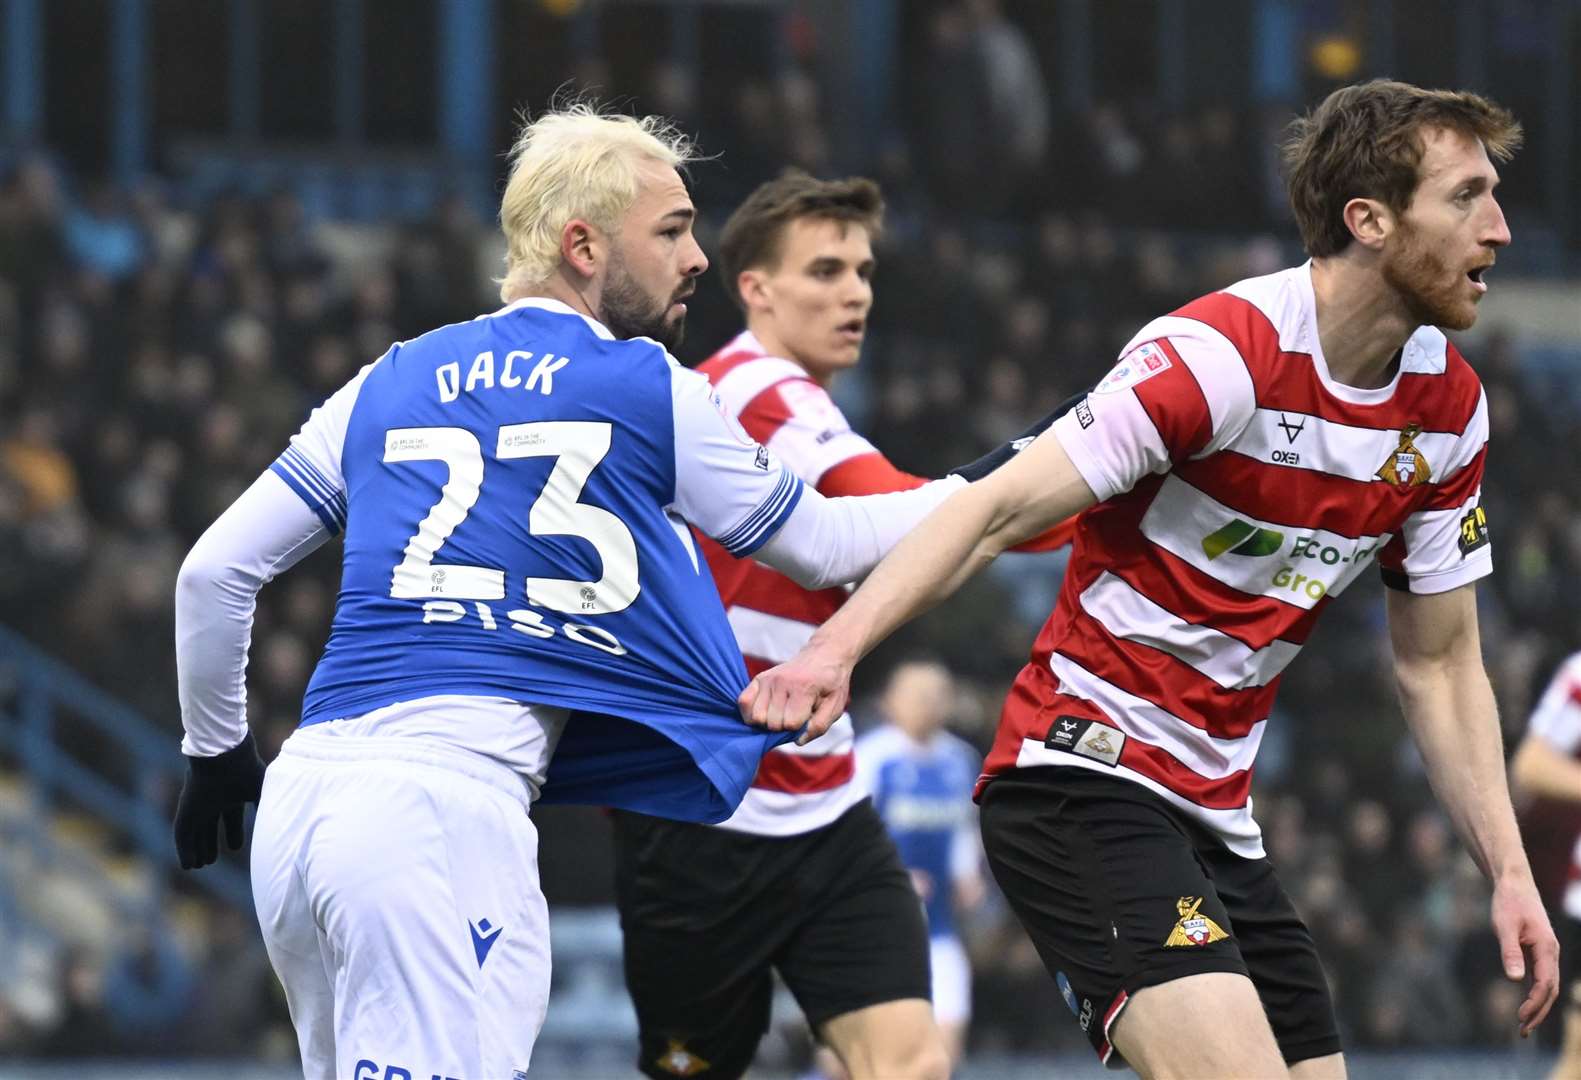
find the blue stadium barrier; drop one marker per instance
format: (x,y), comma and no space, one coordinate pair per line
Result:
(34,689)
(367,186)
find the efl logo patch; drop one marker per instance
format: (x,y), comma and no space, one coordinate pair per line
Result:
(762,460)
(1137,366)
(1473,531)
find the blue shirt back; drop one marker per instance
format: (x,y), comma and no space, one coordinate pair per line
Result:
(514,492)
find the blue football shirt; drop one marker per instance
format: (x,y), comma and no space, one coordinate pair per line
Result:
(924,794)
(515,493)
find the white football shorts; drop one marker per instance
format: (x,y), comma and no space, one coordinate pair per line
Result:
(952,980)
(397,889)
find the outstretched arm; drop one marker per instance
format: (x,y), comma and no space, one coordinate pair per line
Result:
(1449,706)
(1036,489)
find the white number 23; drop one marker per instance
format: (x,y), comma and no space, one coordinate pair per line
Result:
(577,447)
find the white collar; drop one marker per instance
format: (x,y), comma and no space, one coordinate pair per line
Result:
(549,303)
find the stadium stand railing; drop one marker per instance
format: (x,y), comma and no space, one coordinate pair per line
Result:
(60,793)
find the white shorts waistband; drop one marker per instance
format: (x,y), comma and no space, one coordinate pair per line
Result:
(306,744)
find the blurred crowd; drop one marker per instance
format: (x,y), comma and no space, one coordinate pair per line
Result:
(155,355)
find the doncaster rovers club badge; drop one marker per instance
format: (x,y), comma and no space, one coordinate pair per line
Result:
(1193,929)
(679,1061)
(1406,466)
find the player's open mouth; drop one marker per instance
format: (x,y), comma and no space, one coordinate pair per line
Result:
(852,331)
(1475,276)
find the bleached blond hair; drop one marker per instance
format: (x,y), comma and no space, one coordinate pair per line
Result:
(575,161)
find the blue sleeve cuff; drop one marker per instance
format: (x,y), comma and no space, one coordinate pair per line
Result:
(322,497)
(766,520)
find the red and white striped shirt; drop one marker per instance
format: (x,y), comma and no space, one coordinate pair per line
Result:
(797,788)
(1240,489)
(1557,721)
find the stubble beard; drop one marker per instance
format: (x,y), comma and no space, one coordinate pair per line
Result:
(1422,280)
(630,312)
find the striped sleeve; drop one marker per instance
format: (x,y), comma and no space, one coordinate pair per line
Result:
(1445,543)
(311,465)
(811,434)
(726,483)
(1557,718)
(765,521)
(1180,391)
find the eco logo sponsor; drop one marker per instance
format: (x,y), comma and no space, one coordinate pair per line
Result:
(1240,538)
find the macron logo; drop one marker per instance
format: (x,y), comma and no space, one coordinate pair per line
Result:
(483,938)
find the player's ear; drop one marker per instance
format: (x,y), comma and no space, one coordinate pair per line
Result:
(581,247)
(752,287)
(1369,221)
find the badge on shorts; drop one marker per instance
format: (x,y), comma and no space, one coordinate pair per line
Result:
(679,1061)
(1193,929)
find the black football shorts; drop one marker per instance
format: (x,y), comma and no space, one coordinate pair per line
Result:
(709,914)
(1119,892)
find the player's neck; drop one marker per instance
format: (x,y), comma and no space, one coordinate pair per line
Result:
(774,345)
(1362,325)
(583,301)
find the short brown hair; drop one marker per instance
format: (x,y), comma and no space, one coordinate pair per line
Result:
(752,236)
(1366,141)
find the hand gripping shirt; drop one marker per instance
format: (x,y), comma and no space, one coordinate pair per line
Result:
(514,493)
(1241,489)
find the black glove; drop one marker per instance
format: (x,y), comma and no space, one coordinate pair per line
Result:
(1001,454)
(217,788)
